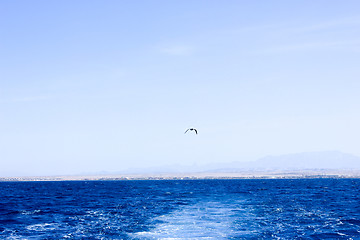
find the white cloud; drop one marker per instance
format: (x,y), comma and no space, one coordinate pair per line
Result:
(331,24)
(177,50)
(354,45)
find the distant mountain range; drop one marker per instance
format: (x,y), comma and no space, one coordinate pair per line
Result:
(311,160)
(329,160)
(298,161)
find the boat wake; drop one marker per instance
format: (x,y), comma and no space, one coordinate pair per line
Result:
(202,220)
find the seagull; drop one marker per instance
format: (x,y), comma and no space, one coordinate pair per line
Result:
(191,129)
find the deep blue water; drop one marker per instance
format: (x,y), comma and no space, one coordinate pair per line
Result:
(184,209)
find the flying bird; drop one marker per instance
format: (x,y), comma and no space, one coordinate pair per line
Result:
(191,129)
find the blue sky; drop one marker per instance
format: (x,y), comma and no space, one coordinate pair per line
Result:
(88,86)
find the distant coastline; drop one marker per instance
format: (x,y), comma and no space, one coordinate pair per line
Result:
(323,173)
(325,164)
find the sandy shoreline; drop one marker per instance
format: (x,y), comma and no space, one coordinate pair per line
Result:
(200,175)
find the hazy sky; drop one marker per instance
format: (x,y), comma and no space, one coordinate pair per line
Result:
(89,86)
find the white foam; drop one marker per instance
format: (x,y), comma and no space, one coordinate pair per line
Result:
(24,212)
(203,220)
(42,227)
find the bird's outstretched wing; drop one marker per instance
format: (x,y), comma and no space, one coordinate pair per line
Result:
(191,129)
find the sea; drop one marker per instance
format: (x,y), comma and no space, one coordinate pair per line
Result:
(322,208)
